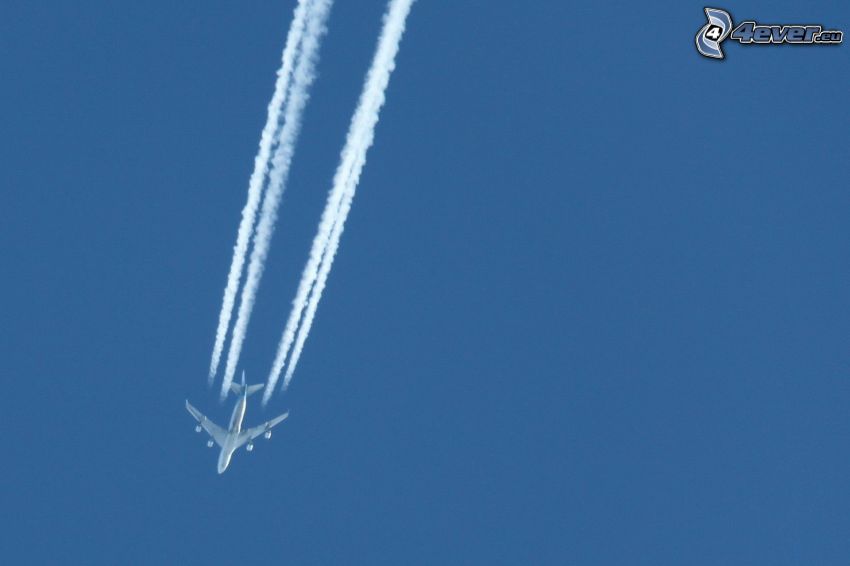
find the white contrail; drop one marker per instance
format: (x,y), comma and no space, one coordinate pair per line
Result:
(255,184)
(352,158)
(302,79)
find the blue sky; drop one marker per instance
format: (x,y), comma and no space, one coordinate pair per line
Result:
(590,307)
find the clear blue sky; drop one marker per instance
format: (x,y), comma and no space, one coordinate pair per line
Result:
(591,305)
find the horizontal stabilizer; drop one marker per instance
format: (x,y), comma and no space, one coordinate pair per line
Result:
(238,388)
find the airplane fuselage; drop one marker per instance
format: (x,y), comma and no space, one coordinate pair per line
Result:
(230,443)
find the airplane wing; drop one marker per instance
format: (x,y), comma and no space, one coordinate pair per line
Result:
(216,432)
(252,433)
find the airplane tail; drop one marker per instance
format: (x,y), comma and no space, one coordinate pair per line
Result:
(239,388)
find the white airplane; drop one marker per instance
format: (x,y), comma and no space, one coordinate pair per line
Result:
(234,437)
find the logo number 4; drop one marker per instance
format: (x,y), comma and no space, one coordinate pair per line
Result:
(714,32)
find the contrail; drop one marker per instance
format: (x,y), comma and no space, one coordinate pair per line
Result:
(255,184)
(302,79)
(361,134)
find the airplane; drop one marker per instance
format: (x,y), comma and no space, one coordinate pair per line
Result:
(232,438)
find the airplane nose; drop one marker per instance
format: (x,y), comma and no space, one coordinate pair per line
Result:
(223,462)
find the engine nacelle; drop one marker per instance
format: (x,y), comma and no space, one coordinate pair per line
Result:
(250,447)
(268,434)
(210,443)
(198,428)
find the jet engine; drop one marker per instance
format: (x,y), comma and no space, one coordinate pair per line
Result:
(268,434)
(210,443)
(250,447)
(198,428)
